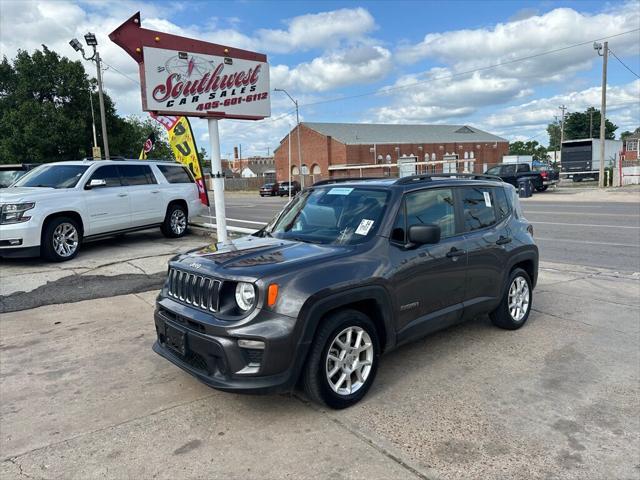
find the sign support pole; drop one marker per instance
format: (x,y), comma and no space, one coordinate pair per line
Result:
(218,182)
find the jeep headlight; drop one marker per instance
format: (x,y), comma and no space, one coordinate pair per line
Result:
(245,295)
(15,212)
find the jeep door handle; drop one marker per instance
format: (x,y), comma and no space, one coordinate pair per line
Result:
(122,194)
(455,253)
(155,191)
(503,240)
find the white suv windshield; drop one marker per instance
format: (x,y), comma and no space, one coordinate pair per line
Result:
(335,215)
(52,176)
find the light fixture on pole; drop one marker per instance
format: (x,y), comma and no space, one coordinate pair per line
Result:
(295,102)
(603,51)
(92,41)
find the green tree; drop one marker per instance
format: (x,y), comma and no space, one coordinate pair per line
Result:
(45,113)
(587,125)
(627,133)
(553,129)
(528,148)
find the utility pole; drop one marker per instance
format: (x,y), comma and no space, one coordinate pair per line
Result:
(563,108)
(603,107)
(295,102)
(91,40)
(591,123)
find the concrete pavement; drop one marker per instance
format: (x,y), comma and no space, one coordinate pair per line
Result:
(82,396)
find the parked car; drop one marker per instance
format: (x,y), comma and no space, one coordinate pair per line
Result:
(270,189)
(283,190)
(550,176)
(56,207)
(12,172)
(349,270)
(513,173)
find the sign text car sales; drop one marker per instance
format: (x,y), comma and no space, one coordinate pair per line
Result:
(195,84)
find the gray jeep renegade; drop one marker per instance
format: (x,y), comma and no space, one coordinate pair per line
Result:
(350,269)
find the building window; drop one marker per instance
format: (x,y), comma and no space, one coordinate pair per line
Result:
(472,154)
(295,170)
(433,156)
(305,169)
(315,169)
(632,145)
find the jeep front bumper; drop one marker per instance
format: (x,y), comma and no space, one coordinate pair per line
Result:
(207,349)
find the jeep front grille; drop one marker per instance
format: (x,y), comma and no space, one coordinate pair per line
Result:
(197,290)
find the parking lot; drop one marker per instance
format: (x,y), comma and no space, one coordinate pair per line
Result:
(83,396)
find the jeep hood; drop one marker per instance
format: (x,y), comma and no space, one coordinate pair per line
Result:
(256,257)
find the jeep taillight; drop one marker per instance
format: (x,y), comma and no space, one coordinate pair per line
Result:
(530,229)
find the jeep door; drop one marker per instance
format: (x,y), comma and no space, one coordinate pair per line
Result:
(428,280)
(147,206)
(108,205)
(487,233)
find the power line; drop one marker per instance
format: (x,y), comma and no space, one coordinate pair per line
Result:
(623,64)
(453,75)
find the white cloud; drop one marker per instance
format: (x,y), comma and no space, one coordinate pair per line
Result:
(560,27)
(356,65)
(622,102)
(319,30)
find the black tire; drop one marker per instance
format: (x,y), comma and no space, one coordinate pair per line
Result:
(51,237)
(175,221)
(261,195)
(314,376)
(501,316)
(577,179)
(542,188)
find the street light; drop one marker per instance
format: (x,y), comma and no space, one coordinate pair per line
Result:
(603,51)
(295,102)
(92,42)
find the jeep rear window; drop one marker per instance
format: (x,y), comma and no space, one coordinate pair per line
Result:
(339,216)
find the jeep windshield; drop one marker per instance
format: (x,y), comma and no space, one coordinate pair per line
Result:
(334,215)
(52,176)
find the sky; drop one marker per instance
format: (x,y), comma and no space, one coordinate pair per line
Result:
(420,62)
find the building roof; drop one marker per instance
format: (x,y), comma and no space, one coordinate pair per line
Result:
(370,133)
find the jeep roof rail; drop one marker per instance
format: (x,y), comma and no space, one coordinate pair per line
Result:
(330,181)
(427,177)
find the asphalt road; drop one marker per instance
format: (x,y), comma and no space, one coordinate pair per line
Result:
(605,235)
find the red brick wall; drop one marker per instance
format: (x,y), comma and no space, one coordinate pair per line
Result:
(324,151)
(317,149)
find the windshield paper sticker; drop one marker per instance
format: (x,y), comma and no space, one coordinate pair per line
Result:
(340,191)
(364,227)
(487,199)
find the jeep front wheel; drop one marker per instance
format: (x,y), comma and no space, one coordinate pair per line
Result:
(343,360)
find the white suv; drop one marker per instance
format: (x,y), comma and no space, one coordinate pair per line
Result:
(52,209)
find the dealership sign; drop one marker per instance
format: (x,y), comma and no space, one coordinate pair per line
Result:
(184,76)
(198,84)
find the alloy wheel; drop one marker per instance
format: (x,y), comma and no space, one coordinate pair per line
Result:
(349,360)
(178,222)
(519,298)
(65,239)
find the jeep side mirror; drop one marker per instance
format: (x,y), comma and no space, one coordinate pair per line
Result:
(424,234)
(95,182)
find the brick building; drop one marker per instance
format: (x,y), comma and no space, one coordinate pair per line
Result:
(354,149)
(630,149)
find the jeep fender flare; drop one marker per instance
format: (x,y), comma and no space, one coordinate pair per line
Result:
(317,306)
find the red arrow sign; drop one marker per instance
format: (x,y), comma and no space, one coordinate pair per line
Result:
(132,37)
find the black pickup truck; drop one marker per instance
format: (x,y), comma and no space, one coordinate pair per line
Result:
(514,172)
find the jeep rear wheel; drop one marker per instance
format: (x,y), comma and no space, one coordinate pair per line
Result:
(343,360)
(514,309)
